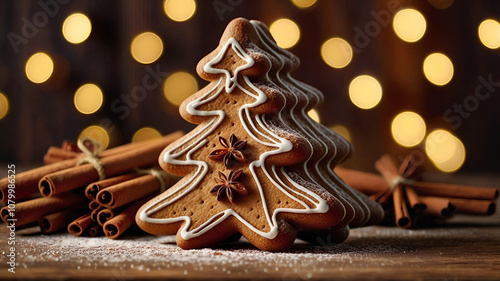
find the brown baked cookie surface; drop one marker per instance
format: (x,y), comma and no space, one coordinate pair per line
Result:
(250,166)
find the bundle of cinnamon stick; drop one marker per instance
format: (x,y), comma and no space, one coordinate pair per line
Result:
(93,193)
(412,203)
(89,193)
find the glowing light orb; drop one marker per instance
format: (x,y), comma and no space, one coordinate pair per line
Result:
(39,68)
(365,91)
(97,134)
(438,69)
(489,33)
(4,105)
(146,47)
(88,98)
(336,52)
(408,128)
(179,10)
(313,113)
(146,133)
(446,151)
(286,33)
(179,86)
(341,130)
(409,25)
(76,28)
(303,4)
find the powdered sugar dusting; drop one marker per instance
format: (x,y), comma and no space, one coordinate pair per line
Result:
(141,256)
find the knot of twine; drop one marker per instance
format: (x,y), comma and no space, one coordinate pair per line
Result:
(396,176)
(160,175)
(91,157)
(399,179)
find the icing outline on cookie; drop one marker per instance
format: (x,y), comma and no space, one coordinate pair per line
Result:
(231,81)
(283,145)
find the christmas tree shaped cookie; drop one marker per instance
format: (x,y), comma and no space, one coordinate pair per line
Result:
(330,148)
(243,166)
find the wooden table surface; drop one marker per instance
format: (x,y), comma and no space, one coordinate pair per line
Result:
(466,248)
(446,253)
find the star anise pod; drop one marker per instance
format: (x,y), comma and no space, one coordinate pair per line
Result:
(231,150)
(228,185)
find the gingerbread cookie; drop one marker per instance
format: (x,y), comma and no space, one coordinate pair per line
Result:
(333,148)
(329,148)
(254,163)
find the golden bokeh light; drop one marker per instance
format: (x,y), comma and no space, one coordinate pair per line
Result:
(456,161)
(179,10)
(76,28)
(97,134)
(179,86)
(408,128)
(446,151)
(146,133)
(286,33)
(146,47)
(489,33)
(438,69)
(39,68)
(88,98)
(409,25)
(303,4)
(441,4)
(4,105)
(365,92)
(341,130)
(313,113)
(440,145)
(336,52)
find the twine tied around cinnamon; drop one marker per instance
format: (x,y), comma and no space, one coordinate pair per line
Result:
(158,174)
(397,180)
(398,188)
(90,156)
(414,202)
(392,174)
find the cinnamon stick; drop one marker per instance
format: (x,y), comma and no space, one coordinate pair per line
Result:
(385,165)
(56,154)
(59,220)
(116,226)
(414,201)
(129,191)
(368,183)
(402,215)
(106,214)
(389,171)
(454,190)
(438,206)
(95,230)
(80,226)
(47,159)
(93,214)
(33,210)
(94,205)
(473,207)
(27,182)
(93,188)
(145,155)
(70,146)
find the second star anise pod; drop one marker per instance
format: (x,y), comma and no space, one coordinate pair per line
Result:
(227,185)
(231,150)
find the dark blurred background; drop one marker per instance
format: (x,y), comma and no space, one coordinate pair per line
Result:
(41,114)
